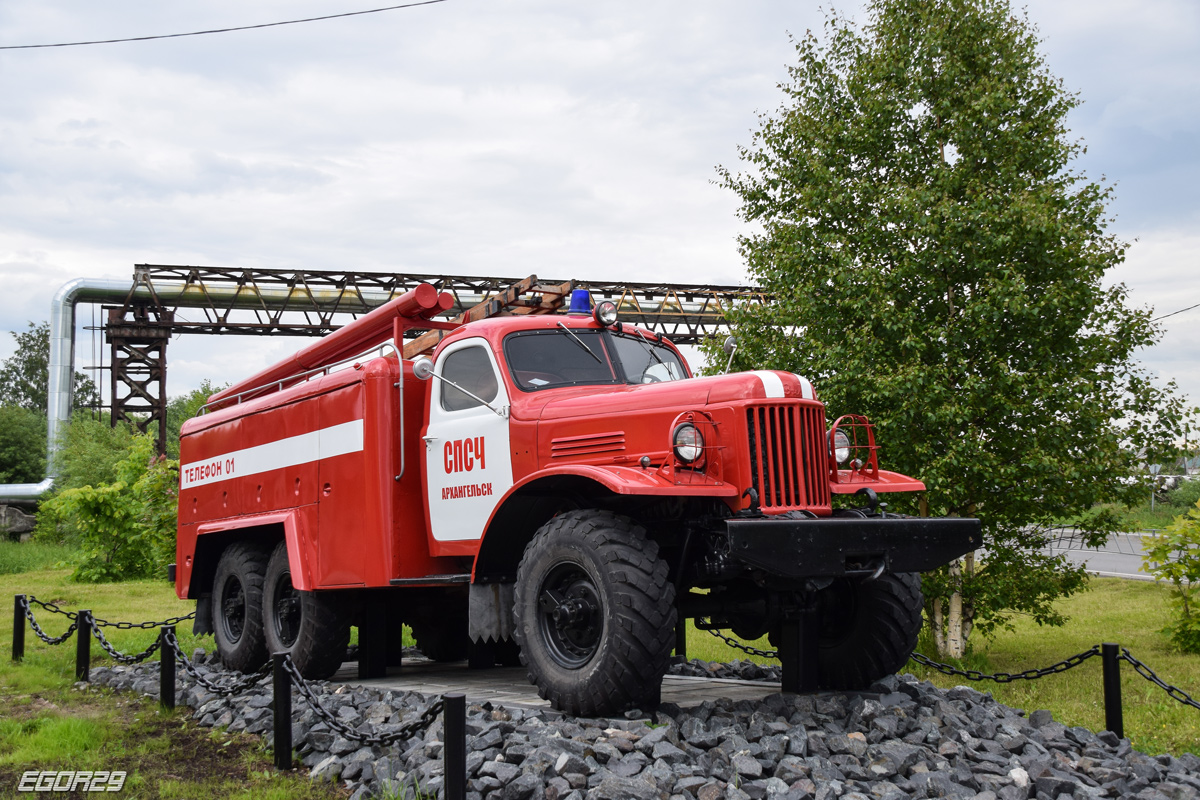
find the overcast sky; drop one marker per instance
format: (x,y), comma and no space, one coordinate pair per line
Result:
(565,139)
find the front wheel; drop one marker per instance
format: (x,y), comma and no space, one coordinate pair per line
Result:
(308,625)
(868,629)
(594,614)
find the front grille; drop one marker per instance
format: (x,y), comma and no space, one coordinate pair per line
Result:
(788,464)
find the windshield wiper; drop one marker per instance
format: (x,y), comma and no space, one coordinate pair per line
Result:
(650,348)
(579,341)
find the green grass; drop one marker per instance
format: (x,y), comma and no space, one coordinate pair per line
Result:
(57,727)
(1130,613)
(16,557)
(47,724)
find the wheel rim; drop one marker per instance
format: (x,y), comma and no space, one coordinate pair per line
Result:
(570,615)
(233,608)
(287,611)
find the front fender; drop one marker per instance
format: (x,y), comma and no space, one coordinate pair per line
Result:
(537,498)
(664,481)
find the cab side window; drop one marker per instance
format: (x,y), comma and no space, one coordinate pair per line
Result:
(471,369)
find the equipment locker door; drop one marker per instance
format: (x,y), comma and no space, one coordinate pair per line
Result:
(468,463)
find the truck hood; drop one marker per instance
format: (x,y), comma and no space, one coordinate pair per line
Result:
(760,384)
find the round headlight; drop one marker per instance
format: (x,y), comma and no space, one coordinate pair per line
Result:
(605,313)
(688,443)
(840,446)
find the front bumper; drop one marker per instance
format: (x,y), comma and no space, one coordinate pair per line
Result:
(826,548)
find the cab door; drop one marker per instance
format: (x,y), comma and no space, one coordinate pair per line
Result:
(468,461)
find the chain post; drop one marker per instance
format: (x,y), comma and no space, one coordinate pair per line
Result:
(83,644)
(166,669)
(454,744)
(281,684)
(18,650)
(1110,656)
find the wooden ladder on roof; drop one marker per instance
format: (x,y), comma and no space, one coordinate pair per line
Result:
(525,296)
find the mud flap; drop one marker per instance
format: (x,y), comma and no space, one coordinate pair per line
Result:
(490,612)
(203,622)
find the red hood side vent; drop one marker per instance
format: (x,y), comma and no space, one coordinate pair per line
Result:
(590,444)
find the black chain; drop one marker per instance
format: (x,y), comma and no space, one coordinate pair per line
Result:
(122,657)
(1008,677)
(408,731)
(1147,673)
(223,690)
(129,626)
(37,629)
(103,623)
(49,607)
(734,643)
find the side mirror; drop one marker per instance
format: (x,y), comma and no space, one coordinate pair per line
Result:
(730,347)
(423,368)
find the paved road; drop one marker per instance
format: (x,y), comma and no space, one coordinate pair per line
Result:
(1121,557)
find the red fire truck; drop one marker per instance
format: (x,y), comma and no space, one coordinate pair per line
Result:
(556,488)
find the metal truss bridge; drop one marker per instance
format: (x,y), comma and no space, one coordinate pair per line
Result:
(169,300)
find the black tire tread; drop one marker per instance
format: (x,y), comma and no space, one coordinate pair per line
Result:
(643,630)
(320,647)
(250,559)
(883,635)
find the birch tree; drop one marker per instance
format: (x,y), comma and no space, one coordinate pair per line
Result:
(939,265)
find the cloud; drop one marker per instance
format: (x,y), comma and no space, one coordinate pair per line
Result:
(470,137)
(1160,271)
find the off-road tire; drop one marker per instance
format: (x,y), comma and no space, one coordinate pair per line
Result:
(868,628)
(311,626)
(609,660)
(237,606)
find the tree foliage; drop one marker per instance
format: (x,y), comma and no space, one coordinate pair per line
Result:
(939,266)
(22,445)
(182,408)
(24,378)
(90,450)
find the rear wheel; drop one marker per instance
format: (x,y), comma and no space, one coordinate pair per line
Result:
(594,614)
(310,626)
(237,606)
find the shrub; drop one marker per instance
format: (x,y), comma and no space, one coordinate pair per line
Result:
(127,527)
(89,449)
(1185,495)
(1174,554)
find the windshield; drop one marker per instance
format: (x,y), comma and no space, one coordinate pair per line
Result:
(561,357)
(644,361)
